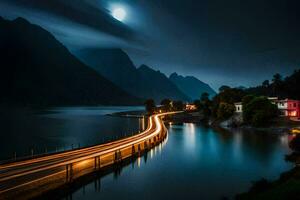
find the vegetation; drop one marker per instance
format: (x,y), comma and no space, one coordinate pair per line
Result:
(287,187)
(225,110)
(295,144)
(279,86)
(150,106)
(178,105)
(223,103)
(166,104)
(258,111)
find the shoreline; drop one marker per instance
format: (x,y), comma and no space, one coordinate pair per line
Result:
(287,186)
(129,114)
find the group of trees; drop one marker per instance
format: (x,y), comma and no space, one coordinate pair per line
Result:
(279,86)
(258,110)
(166,105)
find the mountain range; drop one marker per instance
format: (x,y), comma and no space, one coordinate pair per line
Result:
(39,70)
(191,86)
(36,69)
(144,82)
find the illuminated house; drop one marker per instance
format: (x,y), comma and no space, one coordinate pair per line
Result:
(289,108)
(190,107)
(238,107)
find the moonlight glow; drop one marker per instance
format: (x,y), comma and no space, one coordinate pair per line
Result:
(119,14)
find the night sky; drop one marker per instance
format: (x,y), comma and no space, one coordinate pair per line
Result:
(232,42)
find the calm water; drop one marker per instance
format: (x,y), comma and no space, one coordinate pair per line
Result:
(58,128)
(195,163)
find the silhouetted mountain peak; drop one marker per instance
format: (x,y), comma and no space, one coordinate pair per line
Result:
(146,68)
(191,86)
(39,70)
(21,20)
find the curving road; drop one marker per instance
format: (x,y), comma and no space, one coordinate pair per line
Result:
(34,172)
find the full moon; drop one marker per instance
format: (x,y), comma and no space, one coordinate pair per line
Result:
(119,14)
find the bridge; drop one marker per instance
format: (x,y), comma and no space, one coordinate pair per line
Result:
(29,178)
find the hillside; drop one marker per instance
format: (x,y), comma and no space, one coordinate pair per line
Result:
(144,82)
(36,69)
(191,86)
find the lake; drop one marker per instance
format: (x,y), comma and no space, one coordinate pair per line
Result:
(195,162)
(58,129)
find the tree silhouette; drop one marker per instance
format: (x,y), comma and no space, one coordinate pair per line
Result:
(150,106)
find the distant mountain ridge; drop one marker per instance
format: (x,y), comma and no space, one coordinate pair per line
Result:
(191,86)
(37,69)
(144,82)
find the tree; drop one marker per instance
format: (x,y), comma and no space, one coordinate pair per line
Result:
(225,110)
(224,88)
(277,84)
(167,104)
(266,83)
(198,104)
(178,105)
(259,111)
(150,106)
(245,101)
(204,97)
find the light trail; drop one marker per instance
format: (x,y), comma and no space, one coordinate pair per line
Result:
(37,169)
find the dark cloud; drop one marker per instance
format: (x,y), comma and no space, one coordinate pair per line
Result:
(221,42)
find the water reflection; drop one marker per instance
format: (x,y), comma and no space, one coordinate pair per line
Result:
(196,162)
(26,131)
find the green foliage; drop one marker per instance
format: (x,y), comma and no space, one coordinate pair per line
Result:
(227,95)
(150,106)
(178,105)
(225,110)
(204,97)
(167,104)
(258,111)
(198,104)
(280,87)
(246,113)
(223,88)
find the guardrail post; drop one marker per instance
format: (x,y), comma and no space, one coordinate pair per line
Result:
(71,171)
(139,149)
(120,156)
(145,145)
(99,163)
(67,172)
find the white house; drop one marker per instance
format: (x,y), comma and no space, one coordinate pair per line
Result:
(238,107)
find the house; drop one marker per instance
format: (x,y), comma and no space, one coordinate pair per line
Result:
(286,107)
(190,107)
(289,107)
(238,107)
